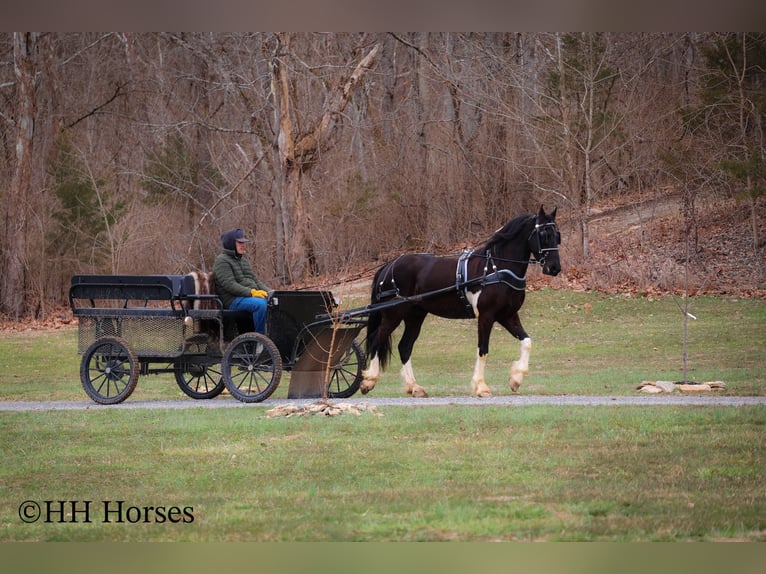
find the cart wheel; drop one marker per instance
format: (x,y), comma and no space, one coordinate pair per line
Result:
(199,381)
(109,371)
(251,367)
(346,376)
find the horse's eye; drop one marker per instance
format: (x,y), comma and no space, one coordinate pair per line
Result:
(550,236)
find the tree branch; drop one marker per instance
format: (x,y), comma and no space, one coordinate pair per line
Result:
(310,143)
(117,93)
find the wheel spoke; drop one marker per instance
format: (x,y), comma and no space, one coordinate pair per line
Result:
(109,371)
(346,375)
(199,380)
(251,367)
(212,377)
(102,379)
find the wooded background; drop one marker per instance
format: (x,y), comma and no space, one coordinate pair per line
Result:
(131,153)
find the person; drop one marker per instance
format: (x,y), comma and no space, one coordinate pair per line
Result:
(235,281)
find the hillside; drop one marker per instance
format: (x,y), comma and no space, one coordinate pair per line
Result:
(639,246)
(636,247)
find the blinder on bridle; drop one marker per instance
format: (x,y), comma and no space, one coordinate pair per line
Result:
(548,239)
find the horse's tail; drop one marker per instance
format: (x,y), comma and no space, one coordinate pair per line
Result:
(375,345)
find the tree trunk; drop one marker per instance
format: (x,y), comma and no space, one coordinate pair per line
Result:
(571,179)
(753,214)
(298,154)
(587,171)
(290,215)
(14,260)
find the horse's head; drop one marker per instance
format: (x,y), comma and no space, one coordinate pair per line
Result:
(544,242)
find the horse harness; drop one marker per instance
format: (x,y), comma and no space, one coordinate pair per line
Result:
(462,281)
(505,276)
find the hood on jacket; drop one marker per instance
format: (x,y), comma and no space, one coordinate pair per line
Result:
(229,238)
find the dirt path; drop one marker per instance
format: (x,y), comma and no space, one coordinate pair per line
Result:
(626,218)
(510,400)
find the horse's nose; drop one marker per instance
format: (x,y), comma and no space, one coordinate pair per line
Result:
(552,269)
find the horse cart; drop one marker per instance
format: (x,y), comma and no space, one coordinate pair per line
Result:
(150,324)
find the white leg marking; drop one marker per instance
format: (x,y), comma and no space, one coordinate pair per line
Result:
(410,386)
(370,376)
(478,384)
(521,367)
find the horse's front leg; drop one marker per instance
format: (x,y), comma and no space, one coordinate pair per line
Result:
(479,385)
(521,367)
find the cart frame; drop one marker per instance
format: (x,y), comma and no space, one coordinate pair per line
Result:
(134,325)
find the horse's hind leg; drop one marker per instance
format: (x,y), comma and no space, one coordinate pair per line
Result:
(412,324)
(379,351)
(370,375)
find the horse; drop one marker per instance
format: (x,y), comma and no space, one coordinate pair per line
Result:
(487,283)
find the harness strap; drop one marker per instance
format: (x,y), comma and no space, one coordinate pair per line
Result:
(505,276)
(461,280)
(508,277)
(394,290)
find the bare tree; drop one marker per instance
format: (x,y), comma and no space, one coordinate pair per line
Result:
(14,256)
(337,149)
(299,148)
(735,93)
(581,117)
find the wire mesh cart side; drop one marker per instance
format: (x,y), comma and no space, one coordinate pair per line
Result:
(140,325)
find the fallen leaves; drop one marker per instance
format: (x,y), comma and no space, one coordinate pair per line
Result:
(322,408)
(58,318)
(655,387)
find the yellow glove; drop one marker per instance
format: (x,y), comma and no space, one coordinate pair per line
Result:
(259,293)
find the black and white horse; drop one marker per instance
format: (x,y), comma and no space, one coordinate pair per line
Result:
(487,283)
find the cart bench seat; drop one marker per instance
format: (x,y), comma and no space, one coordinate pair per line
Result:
(131,287)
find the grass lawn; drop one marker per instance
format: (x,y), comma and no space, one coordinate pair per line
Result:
(415,474)
(583,343)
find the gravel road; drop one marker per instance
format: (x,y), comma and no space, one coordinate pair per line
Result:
(510,400)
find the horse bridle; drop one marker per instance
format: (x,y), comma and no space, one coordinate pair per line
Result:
(543,251)
(539,257)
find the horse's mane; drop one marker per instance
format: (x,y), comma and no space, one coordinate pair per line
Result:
(508,231)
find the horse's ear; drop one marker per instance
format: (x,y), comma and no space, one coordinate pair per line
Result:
(553,214)
(541,213)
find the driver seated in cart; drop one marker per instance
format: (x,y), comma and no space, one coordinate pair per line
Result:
(235,281)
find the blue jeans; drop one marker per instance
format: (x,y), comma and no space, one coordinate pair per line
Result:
(257,306)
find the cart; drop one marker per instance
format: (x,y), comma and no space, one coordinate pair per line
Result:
(135,325)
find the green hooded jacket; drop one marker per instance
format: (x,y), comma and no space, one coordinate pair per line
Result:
(234,277)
